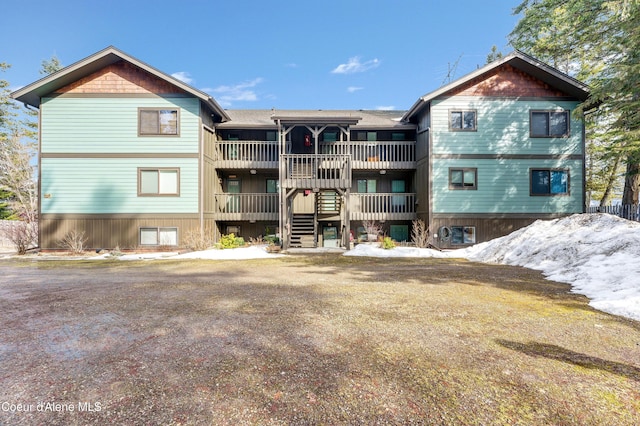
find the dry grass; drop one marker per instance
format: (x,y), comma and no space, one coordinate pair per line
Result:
(311,340)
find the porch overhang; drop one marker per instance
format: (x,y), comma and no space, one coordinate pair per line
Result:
(315,120)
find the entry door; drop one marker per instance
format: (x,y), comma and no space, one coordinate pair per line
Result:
(233,202)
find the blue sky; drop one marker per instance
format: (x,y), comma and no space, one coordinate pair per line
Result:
(287,54)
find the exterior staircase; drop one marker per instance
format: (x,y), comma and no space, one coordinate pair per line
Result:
(328,202)
(302,231)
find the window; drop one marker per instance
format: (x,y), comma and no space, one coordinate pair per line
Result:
(462,121)
(463,178)
(549,182)
(233,229)
(158,182)
(399,232)
(158,236)
(330,136)
(367,185)
(549,124)
(463,235)
(158,121)
(272,136)
(272,186)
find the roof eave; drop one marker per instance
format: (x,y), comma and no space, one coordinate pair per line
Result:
(32,93)
(519,60)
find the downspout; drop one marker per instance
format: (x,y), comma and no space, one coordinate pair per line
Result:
(584,164)
(430,179)
(201,181)
(39,176)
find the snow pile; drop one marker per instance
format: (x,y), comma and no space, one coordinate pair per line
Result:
(598,254)
(251,252)
(374,250)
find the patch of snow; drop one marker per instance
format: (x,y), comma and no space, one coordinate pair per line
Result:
(598,254)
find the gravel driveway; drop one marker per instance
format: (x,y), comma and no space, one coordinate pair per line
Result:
(307,340)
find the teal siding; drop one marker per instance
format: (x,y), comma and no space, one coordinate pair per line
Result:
(503,187)
(110,125)
(110,185)
(502,128)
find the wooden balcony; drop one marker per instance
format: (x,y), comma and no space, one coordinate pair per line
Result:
(375,155)
(398,155)
(382,206)
(248,206)
(260,207)
(246,155)
(310,171)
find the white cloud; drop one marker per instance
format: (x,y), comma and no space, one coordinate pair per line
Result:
(386,108)
(226,95)
(291,65)
(352,89)
(183,76)
(355,65)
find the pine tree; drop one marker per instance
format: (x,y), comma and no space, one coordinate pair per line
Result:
(597,42)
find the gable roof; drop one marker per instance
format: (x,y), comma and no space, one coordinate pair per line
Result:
(32,93)
(520,61)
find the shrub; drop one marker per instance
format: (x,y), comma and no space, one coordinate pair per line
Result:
(116,252)
(271,239)
(73,241)
(373,229)
(22,235)
(230,241)
(196,240)
(387,243)
(420,233)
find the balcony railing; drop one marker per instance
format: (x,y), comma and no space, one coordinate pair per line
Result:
(379,206)
(375,155)
(383,206)
(316,171)
(247,206)
(246,154)
(364,155)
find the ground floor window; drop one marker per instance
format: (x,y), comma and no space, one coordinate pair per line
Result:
(399,232)
(159,236)
(233,229)
(463,235)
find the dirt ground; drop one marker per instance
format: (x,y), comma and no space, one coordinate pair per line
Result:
(322,339)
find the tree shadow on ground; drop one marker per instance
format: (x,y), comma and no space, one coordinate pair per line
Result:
(559,353)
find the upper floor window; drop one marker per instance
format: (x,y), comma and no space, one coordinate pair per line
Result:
(367,186)
(272,186)
(157,121)
(549,182)
(549,124)
(158,181)
(463,178)
(463,120)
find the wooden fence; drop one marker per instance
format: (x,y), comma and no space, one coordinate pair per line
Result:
(626,211)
